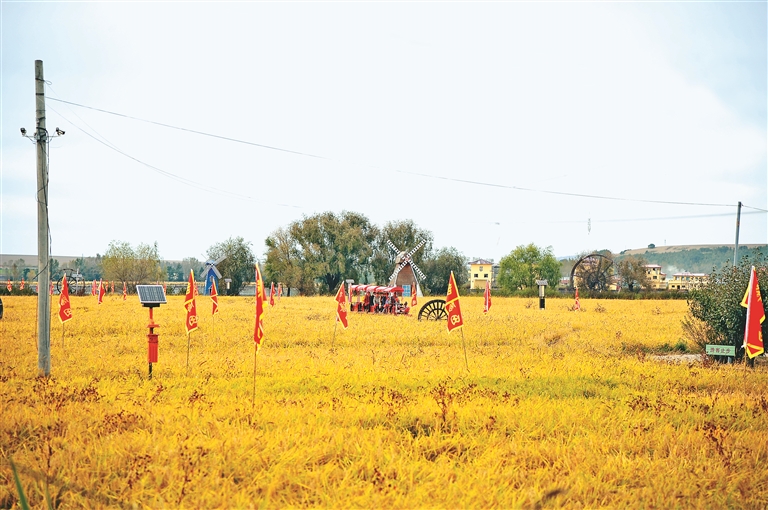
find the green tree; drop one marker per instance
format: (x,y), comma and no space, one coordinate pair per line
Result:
(283,262)
(147,266)
(118,262)
(718,304)
(632,272)
(438,269)
(89,267)
(332,248)
(122,263)
(238,264)
(190,264)
(526,264)
(405,235)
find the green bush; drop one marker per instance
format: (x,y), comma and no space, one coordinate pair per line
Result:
(718,304)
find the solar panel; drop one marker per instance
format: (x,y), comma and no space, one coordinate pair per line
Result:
(151,295)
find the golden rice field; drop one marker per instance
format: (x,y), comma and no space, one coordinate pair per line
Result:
(558,409)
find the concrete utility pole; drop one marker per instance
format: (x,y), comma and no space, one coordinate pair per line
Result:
(736,246)
(43,257)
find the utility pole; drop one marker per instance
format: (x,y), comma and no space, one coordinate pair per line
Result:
(43,257)
(736,246)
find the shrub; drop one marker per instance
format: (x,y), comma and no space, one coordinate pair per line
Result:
(718,305)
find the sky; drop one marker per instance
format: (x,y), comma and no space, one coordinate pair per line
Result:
(581,126)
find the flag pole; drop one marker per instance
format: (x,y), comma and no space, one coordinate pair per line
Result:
(464,345)
(255,351)
(335,325)
(188,335)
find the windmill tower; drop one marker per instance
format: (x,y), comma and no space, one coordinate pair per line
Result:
(211,273)
(405,270)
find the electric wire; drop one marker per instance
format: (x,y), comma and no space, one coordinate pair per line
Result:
(230,139)
(170,175)
(429,176)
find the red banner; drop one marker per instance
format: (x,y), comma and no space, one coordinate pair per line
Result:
(452,307)
(753,302)
(102,291)
(487,296)
(272,294)
(65,311)
(341,308)
(414,291)
(125,291)
(190,305)
(258,331)
(214,297)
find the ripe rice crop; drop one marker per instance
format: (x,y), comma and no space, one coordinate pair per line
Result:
(558,409)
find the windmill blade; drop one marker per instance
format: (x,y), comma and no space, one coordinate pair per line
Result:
(418,271)
(220,259)
(392,246)
(216,272)
(416,248)
(397,270)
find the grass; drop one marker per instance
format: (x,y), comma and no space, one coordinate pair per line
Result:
(558,409)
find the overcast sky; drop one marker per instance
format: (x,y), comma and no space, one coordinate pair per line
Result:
(490,124)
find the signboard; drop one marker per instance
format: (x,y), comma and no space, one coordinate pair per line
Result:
(151,295)
(721,350)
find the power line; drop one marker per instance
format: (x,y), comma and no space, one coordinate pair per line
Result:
(236,140)
(170,175)
(429,176)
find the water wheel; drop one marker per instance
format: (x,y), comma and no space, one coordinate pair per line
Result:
(75,282)
(433,310)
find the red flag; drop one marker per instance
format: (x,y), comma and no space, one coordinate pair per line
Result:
(190,305)
(65,312)
(125,291)
(93,288)
(455,320)
(487,296)
(163,287)
(113,287)
(414,291)
(21,286)
(9,286)
(272,294)
(753,302)
(258,331)
(102,291)
(577,305)
(214,297)
(341,309)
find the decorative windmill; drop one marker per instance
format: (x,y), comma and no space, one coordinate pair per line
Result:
(405,270)
(211,273)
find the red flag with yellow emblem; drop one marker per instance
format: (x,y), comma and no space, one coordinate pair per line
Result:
(258,331)
(753,302)
(190,305)
(65,311)
(452,307)
(102,291)
(341,309)
(487,296)
(214,297)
